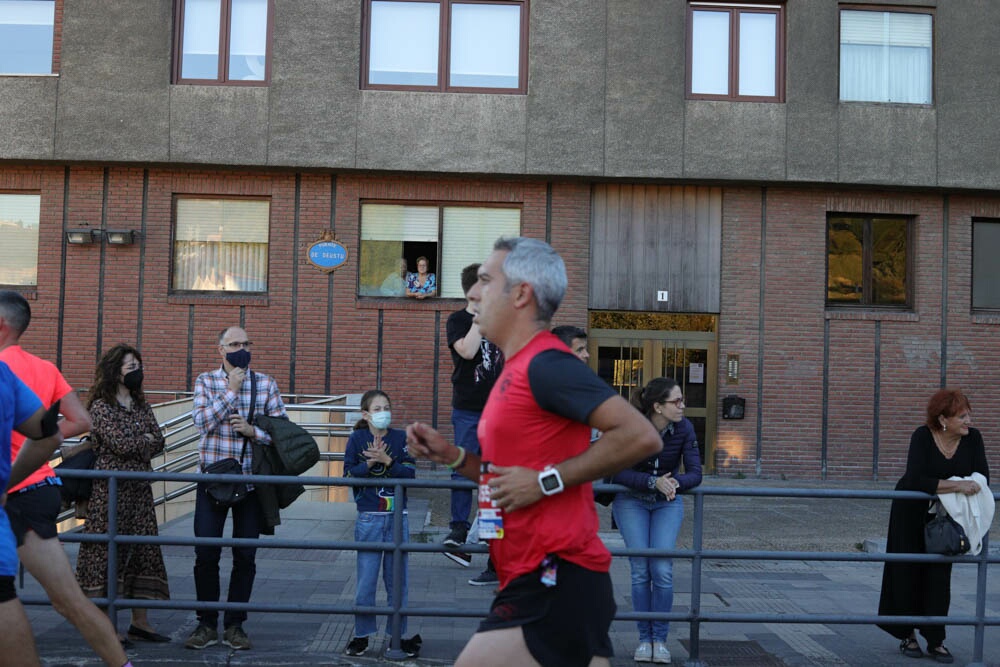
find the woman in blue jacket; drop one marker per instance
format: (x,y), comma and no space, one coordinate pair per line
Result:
(376,451)
(649,515)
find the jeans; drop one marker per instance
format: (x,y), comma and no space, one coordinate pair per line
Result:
(210,522)
(465,423)
(372,527)
(646,524)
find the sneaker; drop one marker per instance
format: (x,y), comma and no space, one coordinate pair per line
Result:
(456,538)
(235,638)
(660,653)
(643,652)
(357,646)
(460,557)
(486,578)
(411,646)
(202,637)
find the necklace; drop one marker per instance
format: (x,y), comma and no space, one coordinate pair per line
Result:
(946,450)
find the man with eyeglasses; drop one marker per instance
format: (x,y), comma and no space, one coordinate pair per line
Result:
(33,504)
(225,401)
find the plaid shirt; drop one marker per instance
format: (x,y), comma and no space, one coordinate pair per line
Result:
(214,402)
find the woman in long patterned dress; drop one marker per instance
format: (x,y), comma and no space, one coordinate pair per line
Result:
(125,436)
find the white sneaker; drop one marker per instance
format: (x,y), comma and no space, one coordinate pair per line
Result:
(643,653)
(661,654)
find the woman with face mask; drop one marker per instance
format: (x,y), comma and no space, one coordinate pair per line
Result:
(125,436)
(376,451)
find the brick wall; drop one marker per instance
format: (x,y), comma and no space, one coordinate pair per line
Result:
(314,334)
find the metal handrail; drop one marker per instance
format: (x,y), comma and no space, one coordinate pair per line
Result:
(697,554)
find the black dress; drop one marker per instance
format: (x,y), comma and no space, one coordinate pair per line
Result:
(920,589)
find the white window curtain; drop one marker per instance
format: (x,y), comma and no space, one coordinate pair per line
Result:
(221,245)
(19,218)
(710,53)
(404,39)
(758,54)
(200,59)
(468,234)
(885,57)
(248,40)
(485,45)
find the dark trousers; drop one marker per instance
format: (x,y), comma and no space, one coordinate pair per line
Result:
(210,522)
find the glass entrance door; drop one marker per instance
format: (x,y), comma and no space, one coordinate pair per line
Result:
(628,359)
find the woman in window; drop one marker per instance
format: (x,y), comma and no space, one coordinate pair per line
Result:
(125,436)
(421,284)
(945,446)
(649,516)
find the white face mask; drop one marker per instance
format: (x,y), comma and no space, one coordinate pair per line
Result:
(381,420)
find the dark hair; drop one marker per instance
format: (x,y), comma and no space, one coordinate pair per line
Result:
(470,276)
(366,402)
(15,310)
(945,403)
(567,332)
(655,392)
(106,380)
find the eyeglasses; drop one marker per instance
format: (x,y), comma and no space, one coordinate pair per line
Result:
(676,402)
(236,344)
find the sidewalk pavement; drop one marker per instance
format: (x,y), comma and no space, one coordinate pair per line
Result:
(327,577)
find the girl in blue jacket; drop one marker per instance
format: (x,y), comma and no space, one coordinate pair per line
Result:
(376,451)
(649,515)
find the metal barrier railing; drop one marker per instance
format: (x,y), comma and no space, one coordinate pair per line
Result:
(696,554)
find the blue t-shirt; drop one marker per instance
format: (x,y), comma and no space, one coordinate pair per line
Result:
(17,404)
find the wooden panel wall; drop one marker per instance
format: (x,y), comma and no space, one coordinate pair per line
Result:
(646,238)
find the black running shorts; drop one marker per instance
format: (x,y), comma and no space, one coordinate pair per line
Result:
(35,510)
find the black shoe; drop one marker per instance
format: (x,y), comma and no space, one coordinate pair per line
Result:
(910,648)
(485,578)
(460,557)
(411,646)
(138,634)
(941,654)
(456,538)
(357,646)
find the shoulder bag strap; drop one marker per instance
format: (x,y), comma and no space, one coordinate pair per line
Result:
(253,405)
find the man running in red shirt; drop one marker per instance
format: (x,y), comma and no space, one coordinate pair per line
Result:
(33,504)
(555,604)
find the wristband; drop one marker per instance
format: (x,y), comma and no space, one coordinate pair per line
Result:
(457,463)
(50,421)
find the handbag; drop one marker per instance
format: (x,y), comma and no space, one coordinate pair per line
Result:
(224,495)
(74,489)
(943,535)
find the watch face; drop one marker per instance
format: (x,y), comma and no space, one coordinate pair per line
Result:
(550,482)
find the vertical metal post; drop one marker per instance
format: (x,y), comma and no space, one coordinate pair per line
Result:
(394,652)
(696,543)
(112,582)
(980,637)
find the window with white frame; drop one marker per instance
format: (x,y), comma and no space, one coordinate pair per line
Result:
(735,52)
(27,29)
(394,236)
(19,218)
(886,56)
(220,245)
(985,268)
(483,43)
(223,41)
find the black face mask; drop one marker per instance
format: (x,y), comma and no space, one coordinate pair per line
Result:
(239,358)
(133,380)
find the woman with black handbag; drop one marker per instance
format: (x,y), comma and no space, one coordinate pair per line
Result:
(125,436)
(945,446)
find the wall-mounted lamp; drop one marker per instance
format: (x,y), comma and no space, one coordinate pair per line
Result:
(120,236)
(83,236)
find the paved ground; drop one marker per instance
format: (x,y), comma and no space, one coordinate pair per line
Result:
(326,577)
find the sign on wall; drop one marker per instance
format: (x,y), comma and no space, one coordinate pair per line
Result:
(327,254)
